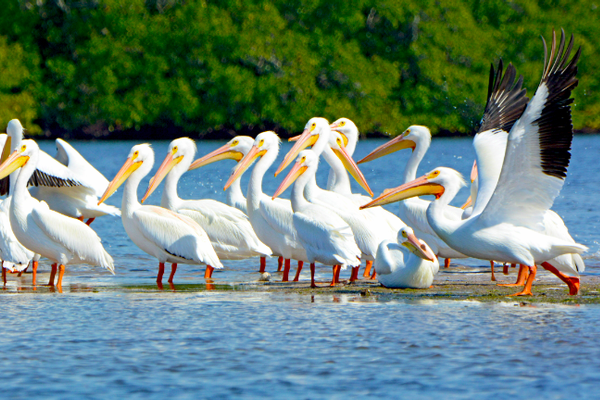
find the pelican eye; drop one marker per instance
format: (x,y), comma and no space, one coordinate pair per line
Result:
(313,125)
(234,143)
(23,148)
(174,150)
(262,141)
(434,174)
(303,159)
(135,154)
(342,123)
(339,141)
(404,234)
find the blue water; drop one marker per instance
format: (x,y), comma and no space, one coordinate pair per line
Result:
(119,336)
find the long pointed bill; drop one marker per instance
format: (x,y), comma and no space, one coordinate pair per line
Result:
(222,153)
(12,163)
(6,150)
(166,167)
(353,169)
(126,170)
(419,248)
(243,165)
(305,140)
(296,171)
(294,138)
(418,187)
(474,172)
(467,203)
(397,143)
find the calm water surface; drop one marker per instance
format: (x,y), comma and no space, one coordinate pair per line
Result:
(114,336)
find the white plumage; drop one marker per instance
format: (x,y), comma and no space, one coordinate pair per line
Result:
(228,228)
(164,234)
(55,236)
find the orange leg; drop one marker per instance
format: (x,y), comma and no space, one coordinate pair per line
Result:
(336,272)
(374,275)
(173,270)
(286,271)
(89,221)
(80,218)
(312,275)
(52,275)
(208,272)
(513,265)
(34,266)
(263,264)
(161,271)
(368,266)
(4,275)
(571,281)
(521,277)
(280,265)
(447,263)
(527,289)
(61,272)
(493,276)
(354,275)
(300,265)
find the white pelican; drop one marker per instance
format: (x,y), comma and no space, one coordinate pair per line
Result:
(71,186)
(162,233)
(61,239)
(236,149)
(323,234)
(229,229)
(272,220)
(382,223)
(406,263)
(412,211)
(510,227)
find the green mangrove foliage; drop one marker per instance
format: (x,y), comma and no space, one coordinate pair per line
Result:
(193,67)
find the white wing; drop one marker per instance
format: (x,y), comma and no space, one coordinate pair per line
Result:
(73,235)
(537,153)
(279,216)
(82,169)
(176,234)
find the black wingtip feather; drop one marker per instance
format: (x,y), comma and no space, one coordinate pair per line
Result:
(554,124)
(506,99)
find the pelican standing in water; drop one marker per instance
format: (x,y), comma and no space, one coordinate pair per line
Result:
(162,233)
(324,235)
(63,240)
(510,227)
(272,220)
(229,229)
(236,149)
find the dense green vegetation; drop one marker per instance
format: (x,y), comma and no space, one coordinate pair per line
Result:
(197,67)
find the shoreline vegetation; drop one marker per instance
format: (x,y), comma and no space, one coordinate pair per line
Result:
(161,69)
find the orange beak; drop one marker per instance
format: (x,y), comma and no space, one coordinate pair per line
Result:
(166,167)
(126,170)
(351,166)
(397,143)
(306,139)
(243,165)
(418,187)
(295,172)
(222,153)
(12,163)
(419,248)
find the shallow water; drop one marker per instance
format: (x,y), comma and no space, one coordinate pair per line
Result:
(109,336)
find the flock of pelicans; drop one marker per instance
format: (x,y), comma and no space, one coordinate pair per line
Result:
(332,226)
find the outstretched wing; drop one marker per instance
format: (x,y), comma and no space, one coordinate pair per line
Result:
(505,103)
(538,149)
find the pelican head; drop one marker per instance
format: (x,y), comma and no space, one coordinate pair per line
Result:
(336,142)
(181,153)
(235,149)
(406,237)
(21,156)
(347,129)
(264,142)
(307,160)
(312,130)
(409,139)
(435,182)
(140,159)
